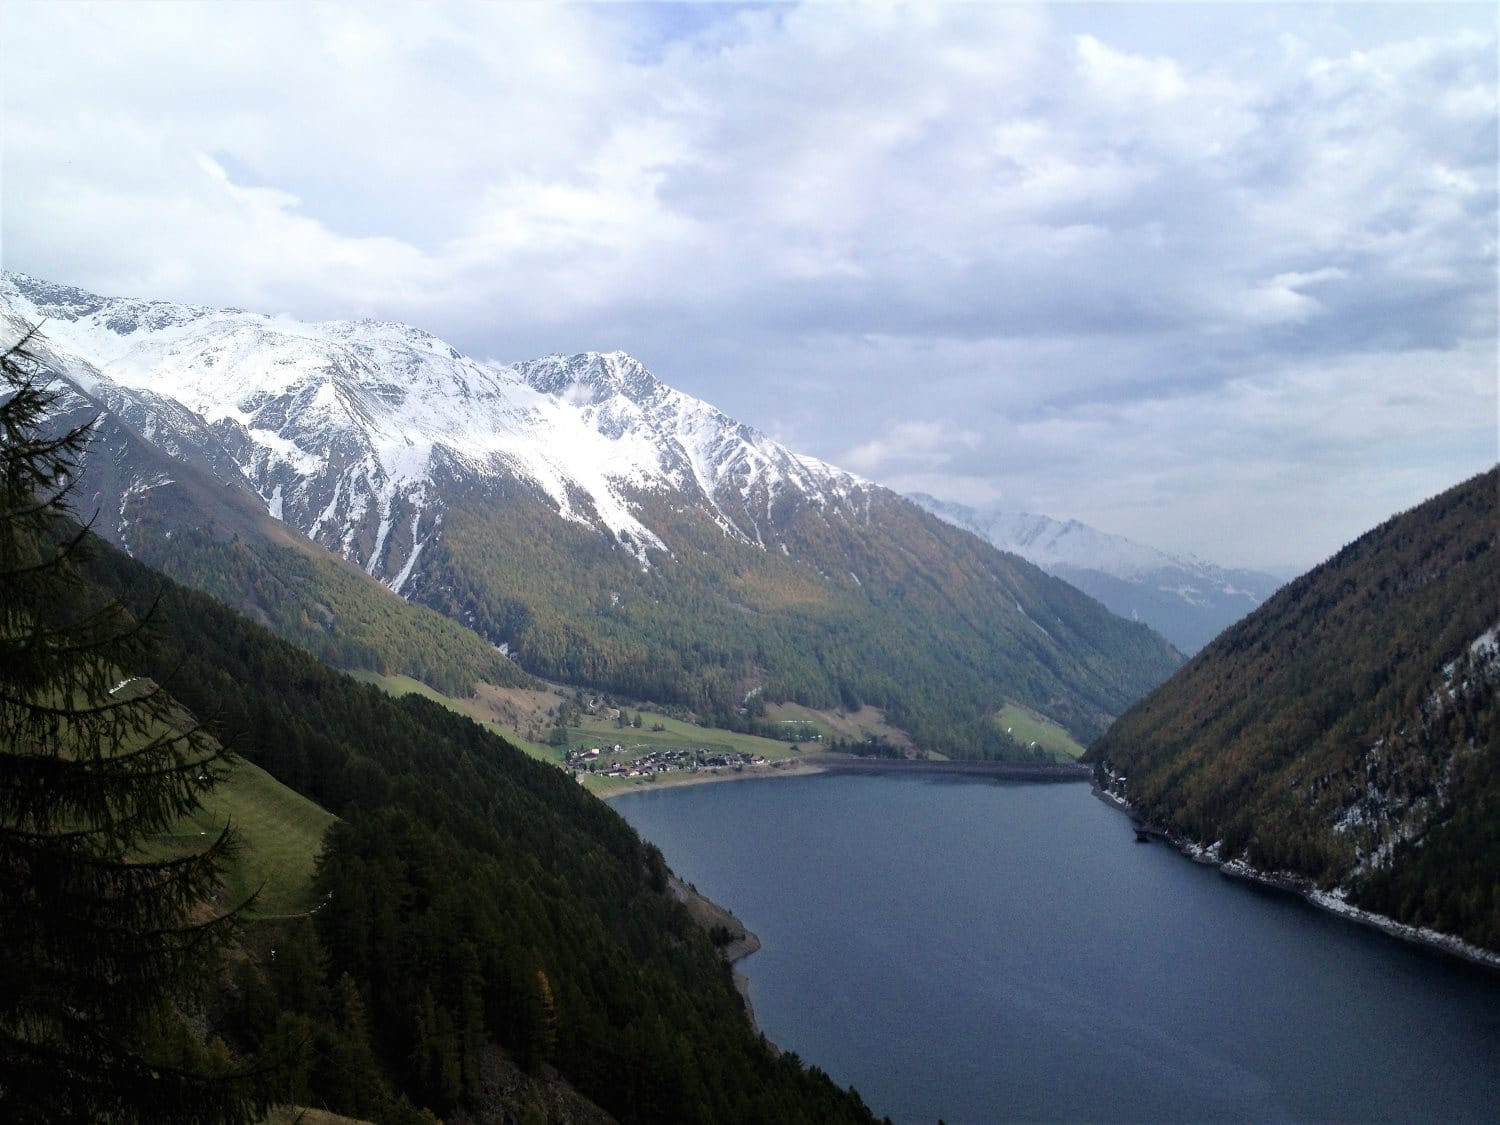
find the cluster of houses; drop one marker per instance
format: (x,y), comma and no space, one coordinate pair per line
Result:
(606,761)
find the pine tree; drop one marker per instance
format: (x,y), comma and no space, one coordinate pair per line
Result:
(101,945)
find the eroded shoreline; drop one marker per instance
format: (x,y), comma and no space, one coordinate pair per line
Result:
(1305,890)
(742,943)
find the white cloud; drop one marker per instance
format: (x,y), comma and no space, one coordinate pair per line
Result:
(925,444)
(1052,231)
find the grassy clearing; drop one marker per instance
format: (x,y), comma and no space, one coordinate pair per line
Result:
(851,726)
(507,710)
(1026,727)
(280,834)
(674,735)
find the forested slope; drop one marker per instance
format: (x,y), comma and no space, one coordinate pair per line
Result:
(1348,730)
(595,524)
(893,608)
(475,901)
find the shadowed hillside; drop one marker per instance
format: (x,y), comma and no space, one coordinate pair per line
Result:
(1347,731)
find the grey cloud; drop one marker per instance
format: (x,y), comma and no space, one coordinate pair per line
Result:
(1116,248)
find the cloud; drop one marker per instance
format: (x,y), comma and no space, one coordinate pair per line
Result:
(927,445)
(1003,250)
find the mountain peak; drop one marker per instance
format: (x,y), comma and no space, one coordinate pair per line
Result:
(585,378)
(607,528)
(1186,599)
(344,427)
(48,300)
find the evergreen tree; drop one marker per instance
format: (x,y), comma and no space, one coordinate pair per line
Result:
(101,945)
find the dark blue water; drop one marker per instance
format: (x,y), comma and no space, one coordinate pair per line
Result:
(986,951)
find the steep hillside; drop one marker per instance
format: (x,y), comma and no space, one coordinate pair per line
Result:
(595,524)
(481,917)
(197,520)
(1185,599)
(1348,731)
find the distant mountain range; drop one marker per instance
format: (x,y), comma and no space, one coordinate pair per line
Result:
(1347,733)
(592,523)
(1185,599)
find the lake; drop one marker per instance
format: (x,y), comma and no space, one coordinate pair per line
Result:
(984,951)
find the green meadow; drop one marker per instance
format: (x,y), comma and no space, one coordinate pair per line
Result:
(1026,727)
(280,834)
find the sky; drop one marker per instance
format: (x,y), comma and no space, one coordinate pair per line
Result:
(1220,278)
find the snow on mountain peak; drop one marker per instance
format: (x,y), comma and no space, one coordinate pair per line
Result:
(1185,598)
(340,425)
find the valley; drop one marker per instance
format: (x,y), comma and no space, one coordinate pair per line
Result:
(1185,599)
(591,525)
(760,616)
(455,457)
(609,756)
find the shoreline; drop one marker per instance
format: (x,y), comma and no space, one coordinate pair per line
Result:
(707,914)
(815,763)
(1003,771)
(1433,940)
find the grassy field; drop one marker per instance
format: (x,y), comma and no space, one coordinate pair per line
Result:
(280,834)
(593,730)
(1026,727)
(851,726)
(509,712)
(527,708)
(674,735)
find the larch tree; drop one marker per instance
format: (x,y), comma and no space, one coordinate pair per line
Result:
(102,943)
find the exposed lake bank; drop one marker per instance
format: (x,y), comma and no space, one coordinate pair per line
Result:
(1303,888)
(742,941)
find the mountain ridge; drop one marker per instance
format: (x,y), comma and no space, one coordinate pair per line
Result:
(1186,599)
(603,528)
(278,387)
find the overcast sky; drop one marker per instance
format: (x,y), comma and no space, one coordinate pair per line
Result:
(1219,278)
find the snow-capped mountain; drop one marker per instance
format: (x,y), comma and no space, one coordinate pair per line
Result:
(1187,600)
(342,428)
(575,512)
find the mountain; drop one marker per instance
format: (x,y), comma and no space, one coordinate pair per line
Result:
(172,512)
(1185,599)
(489,938)
(1347,733)
(593,523)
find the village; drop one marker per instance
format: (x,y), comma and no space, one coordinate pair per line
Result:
(606,761)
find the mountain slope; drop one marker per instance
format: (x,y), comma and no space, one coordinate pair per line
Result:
(477,909)
(599,526)
(205,526)
(1348,731)
(1185,599)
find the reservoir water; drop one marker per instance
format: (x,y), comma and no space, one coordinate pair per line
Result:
(998,951)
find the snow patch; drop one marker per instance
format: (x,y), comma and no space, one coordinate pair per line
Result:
(411,559)
(1027,616)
